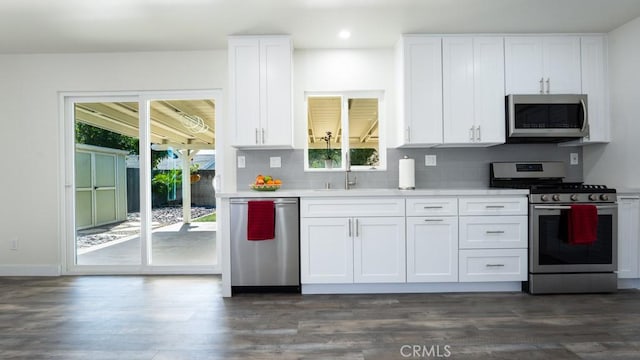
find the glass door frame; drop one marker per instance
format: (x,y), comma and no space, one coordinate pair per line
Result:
(67,217)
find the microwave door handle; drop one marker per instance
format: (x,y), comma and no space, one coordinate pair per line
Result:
(585,118)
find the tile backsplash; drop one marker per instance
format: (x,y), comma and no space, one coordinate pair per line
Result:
(456,167)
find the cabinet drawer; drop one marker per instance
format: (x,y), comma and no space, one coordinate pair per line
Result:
(493,265)
(493,205)
(436,206)
(493,232)
(341,206)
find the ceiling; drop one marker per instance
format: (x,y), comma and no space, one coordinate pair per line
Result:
(67,26)
(179,124)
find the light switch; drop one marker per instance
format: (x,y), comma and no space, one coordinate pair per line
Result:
(275,162)
(429,160)
(241,163)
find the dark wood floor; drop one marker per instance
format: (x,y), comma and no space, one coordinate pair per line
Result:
(184,317)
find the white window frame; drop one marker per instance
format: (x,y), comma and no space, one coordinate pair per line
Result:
(344,142)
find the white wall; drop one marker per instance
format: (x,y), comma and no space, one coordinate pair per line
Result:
(616,164)
(343,70)
(30,128)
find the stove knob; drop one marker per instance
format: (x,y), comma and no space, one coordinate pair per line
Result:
(593,197)
(574,197)
(544,197)
(556,197)
(604,197)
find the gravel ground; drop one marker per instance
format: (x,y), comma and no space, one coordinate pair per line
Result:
(160,217)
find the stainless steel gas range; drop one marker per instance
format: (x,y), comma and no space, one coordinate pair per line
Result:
(557,211)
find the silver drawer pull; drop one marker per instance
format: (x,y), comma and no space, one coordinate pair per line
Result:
(433,220)
(494,206)
(495,231)
(494,265)
(433,207)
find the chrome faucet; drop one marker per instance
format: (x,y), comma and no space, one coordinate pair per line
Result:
(348,183)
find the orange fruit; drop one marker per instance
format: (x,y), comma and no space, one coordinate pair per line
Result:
(277,181)
(270,182)
(260,181)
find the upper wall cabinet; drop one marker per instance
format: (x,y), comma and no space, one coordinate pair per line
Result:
(542,65)
(473,91)
(260,91)
(419,62)
(594,84)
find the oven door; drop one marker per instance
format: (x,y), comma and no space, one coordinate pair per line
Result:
(550,251)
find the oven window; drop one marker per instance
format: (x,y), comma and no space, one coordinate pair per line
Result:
(554,247)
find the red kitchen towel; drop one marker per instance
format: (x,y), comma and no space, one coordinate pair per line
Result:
(261,222)
(583,224)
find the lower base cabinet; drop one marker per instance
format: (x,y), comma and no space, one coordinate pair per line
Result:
(493,265)
(432,249)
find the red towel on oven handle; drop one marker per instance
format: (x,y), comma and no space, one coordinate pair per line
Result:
(583,224)
(261,220)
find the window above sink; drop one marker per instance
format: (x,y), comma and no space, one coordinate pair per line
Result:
(344,122)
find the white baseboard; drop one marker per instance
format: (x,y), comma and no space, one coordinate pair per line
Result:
(30,270)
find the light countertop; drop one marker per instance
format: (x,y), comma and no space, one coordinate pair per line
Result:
(310,193)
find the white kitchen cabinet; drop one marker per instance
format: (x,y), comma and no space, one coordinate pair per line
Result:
(326,251)
(347,240)
(260,91)
(493,265)
(419,66)
(473,91)
(432,249)
(493,232)
(542,64)
(379,249)
(493,239)
(628,236)
(594,84)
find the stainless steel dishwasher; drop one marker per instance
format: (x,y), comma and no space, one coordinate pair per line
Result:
(267,265)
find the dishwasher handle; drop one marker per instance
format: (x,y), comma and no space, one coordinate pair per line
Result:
(275,201)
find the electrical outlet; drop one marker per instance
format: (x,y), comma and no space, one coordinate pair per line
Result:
(275,162)
(573,159)
(241,162)
(429,160)
(13,244)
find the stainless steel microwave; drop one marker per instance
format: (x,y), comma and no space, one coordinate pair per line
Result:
(546,118)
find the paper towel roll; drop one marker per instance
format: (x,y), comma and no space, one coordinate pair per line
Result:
(407,174)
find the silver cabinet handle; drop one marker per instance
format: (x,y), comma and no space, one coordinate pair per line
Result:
(495,231)
(478,135)
(471,133)
(628,197)
(494,206)
(263,136)
(548,85)
(433,207)
(256,136)
(407,134)
(433,220)
(349,227)
(494,265)
(357,233)
(541,85)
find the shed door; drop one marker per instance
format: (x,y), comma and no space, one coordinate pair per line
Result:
(96,201)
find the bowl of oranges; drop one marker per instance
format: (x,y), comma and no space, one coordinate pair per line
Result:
(265,183)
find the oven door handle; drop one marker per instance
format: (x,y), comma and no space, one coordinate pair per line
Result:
(556,207)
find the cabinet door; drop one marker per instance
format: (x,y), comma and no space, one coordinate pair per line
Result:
(488,70)
(432,249)
(594,55)
(421,76)
(379,250)
(275,92)
(458,90)
(561,64)
(244,88)
(523,65)
(326,251)
(628,236)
